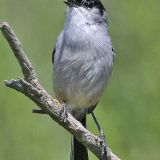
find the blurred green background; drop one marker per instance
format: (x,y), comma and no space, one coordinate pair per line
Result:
(129,110)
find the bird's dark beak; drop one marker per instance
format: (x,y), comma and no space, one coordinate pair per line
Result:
(66,2)
(70,3)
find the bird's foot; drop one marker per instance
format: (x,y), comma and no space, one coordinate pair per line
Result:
(63,113)
(40,111)
(103,145)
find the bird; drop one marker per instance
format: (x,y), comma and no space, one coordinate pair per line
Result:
(83,59)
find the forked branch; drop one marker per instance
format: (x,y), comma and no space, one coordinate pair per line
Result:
(30,87)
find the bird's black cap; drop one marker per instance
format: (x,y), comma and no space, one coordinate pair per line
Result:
(86,3)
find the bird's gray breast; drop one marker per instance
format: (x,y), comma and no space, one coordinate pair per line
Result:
(81,70)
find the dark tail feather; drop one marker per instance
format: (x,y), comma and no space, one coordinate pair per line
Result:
(79,151)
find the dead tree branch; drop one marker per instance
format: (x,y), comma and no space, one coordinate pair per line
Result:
(30,87)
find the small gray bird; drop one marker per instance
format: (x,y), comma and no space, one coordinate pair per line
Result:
(82,62)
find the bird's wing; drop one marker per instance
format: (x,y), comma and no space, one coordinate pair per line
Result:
(53,53)
(57,46)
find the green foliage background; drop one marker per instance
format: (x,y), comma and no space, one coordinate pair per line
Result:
(129,110)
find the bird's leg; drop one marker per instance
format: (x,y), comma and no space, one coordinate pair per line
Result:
(63,113)
(102,136)
(41,111)
(38,111)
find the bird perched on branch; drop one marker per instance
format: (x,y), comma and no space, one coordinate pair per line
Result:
(82,62)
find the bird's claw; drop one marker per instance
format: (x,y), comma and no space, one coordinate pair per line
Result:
(104,146)
(63,113)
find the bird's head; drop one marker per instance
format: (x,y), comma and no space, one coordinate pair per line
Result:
(88,4)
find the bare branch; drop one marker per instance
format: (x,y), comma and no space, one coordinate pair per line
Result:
(33,90)
(15,44)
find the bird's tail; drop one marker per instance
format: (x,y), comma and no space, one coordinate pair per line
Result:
(79,151)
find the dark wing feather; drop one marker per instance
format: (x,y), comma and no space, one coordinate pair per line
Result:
(53,53)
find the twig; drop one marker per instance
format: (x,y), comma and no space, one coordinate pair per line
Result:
(30,87)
